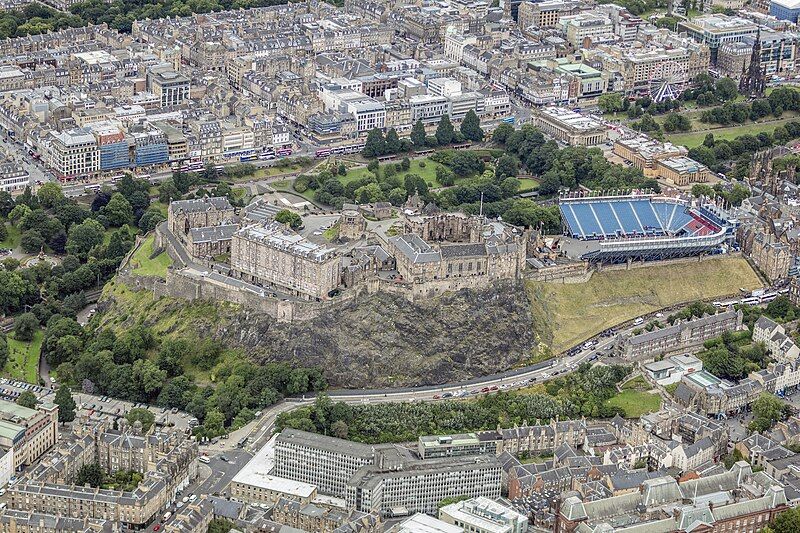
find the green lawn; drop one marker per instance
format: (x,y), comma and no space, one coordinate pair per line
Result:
(634,403)
(637,384)
(23,358)
(528,184)
(428,172)
(12,241)
(268,172)
(695,138)
(573,312)
(144,265)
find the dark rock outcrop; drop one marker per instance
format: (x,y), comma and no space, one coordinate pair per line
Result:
(383,340)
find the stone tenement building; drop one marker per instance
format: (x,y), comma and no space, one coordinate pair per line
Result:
(185,215)
(533,440)
(738,501)
(679,336)
(273,255)
(166,458)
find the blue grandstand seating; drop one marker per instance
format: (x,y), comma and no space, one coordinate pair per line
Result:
(616,218)
(587,219)
(646,215)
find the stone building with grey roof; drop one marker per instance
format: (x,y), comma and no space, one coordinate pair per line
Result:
(680,336)
(737,500)
(184,215)
(449,251)
(166,458)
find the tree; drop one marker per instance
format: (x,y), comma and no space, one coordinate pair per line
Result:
(418,134)
(91,474)
(610,102)
(392,145)
(140,414)
(466,163)
(786,522)
(214,424)
(339,429)
(6,203)
(25,326)
(27,399)
(502,132)
(375,145)
(471,127)
(167,191)
(507,166)
(3,351)
(289,217)
(677,122)
(767,410)
(50,195)
(31,241)
(726,89)
(66,405)
(444,131)
(83,237)
(18,213)
(118,211)
(220,525)
(445,176)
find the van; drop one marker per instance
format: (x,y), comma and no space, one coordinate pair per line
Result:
(166,516)
(204,459)
(638,322)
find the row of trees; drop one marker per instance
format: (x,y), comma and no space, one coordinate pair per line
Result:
(134,365)
(566,167)
(781,99)
(583,392)
(35,18)
(377,144)
(734,156)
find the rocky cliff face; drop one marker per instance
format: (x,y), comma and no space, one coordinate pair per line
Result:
(382,340)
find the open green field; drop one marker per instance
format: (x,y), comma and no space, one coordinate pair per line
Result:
(142,263)
(695,138)
(528,184)
(12,241)
(573,312)
(23,358)
(269,172)
(634,403)
(428,172)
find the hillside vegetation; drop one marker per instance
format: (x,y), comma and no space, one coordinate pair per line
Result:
(571,313)
(376,341)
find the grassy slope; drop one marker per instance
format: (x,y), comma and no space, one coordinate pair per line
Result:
(23,358)
(693,139)
(145,266)
(635,403)
(574,312)
(428,173)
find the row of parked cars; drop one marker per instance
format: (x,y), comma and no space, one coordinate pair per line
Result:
(19,386)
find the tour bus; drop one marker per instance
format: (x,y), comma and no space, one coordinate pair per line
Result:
(283,152)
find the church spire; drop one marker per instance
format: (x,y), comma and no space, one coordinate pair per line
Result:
(753,82)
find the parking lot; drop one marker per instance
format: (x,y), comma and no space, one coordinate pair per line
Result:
(91,403)
(11,389)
